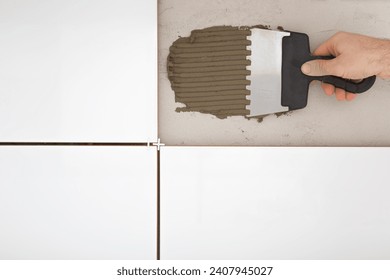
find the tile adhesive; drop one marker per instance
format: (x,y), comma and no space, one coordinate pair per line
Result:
(208,71)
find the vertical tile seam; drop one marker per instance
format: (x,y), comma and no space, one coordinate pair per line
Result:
(157,71)
(158,207)
(158,229)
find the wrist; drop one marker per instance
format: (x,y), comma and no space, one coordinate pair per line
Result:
(385,59)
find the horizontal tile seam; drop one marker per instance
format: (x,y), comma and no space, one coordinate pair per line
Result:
(74,144)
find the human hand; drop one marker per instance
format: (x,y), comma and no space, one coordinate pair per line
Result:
(356,57)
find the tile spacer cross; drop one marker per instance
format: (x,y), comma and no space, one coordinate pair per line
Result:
(158,144)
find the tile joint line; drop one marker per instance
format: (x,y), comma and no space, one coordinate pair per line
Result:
(157,144)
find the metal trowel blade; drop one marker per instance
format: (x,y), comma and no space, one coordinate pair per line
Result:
(266,72)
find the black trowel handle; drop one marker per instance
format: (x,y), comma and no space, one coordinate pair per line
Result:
(348,85)
(295,84)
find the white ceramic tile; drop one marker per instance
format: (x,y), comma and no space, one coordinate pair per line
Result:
(78,70)
(275,203)
(77,203)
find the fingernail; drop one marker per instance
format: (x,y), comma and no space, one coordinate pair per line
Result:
(329,93)
(306,68)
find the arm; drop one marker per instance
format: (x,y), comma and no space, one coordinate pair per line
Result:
(356,57)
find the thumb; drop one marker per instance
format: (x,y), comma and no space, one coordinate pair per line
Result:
(318,67)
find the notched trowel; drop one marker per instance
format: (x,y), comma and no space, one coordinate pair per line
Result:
(244,71)
(276,81)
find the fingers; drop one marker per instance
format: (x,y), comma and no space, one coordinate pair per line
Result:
(341,94)
(350,96)
(321,67)
(325,49)
(328,89)
(314,68)
(328,47)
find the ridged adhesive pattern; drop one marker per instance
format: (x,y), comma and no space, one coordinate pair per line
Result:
(208,71)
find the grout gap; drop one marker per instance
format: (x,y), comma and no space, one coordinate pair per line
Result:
(158,205)
(73,144)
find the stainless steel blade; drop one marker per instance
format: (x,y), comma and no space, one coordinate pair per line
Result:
(266,72)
